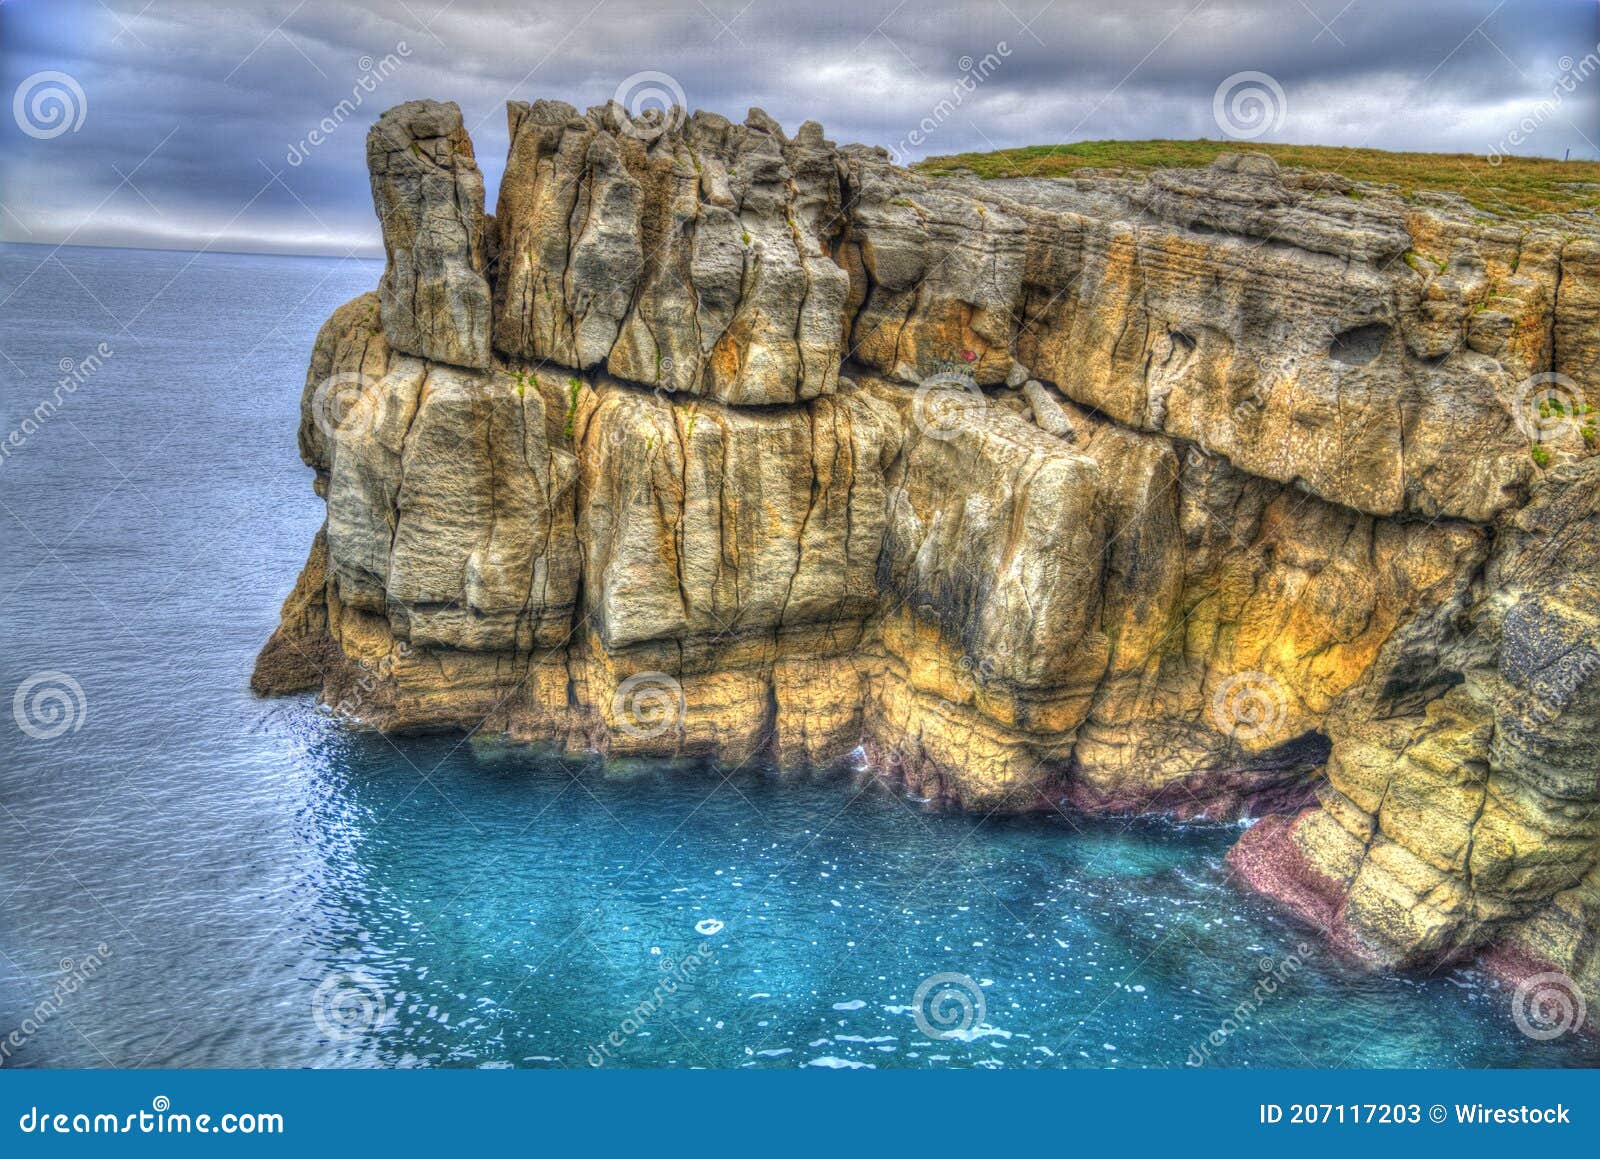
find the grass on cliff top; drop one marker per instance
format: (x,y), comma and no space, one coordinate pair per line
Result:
(1517,187)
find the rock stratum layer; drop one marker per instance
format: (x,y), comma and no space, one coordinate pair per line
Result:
(1216,493)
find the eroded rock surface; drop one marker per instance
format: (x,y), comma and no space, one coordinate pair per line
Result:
(694,259)
(1225,492)
(428,193)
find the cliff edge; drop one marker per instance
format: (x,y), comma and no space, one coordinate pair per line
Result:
(1220,492)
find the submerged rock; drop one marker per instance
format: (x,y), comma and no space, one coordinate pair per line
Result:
(1211,494)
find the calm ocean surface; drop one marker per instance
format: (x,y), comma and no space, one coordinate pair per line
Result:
(208,879)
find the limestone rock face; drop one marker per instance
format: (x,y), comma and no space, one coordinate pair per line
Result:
(1454,826)
(1284,332)
(428,193)
(686,254)
(1221,493)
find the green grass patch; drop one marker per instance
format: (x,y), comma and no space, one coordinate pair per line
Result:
(574,387)
(1517,187)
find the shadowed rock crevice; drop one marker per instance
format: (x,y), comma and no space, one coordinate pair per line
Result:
(1359,345)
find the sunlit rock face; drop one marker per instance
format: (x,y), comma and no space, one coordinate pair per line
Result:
(428,193)
(686,254)
(1217,493)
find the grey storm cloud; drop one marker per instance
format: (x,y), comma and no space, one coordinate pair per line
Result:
(198,115)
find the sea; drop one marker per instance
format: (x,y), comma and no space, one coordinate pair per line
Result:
(191,876)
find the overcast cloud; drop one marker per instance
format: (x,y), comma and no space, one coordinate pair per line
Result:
(191,109)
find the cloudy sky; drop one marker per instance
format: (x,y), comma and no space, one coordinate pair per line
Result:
(184,123)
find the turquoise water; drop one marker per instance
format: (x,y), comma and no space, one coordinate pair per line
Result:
(272,889)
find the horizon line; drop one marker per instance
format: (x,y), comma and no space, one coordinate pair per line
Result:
(1242,147)
(198,250)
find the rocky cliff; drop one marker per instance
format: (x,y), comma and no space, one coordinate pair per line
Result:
(1219,493)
